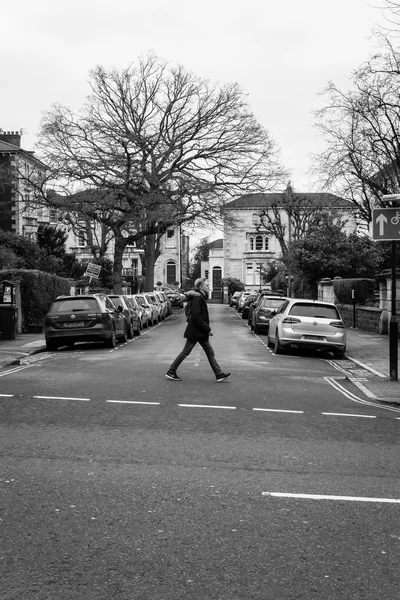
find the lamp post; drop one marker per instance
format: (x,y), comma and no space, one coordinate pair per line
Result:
(289,196)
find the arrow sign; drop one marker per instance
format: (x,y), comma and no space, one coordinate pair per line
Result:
(386,224)
(381,220)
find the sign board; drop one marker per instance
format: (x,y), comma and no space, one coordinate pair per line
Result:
(93,270)
(386,224)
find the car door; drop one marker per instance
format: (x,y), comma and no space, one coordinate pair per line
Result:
(274,322)
(119,317)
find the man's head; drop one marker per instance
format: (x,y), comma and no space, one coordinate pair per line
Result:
(201,284)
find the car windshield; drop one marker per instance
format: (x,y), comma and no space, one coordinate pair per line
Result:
(272,302)
(74,305)
(140,300)
(316,311)
(116,300)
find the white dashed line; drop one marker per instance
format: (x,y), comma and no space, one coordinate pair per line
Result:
(132,402)
(324,497)
(278,410)
(7,395)
(207,406)
(61,398)
(348,415)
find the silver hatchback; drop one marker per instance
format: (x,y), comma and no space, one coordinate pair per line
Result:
(300,323)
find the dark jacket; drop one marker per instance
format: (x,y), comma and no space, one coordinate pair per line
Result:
(198,327)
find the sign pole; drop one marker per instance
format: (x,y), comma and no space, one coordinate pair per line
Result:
(394,326)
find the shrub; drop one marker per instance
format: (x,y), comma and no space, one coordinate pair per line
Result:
(38,290)
(364,290)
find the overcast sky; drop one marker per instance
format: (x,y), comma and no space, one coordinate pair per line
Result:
(282,53)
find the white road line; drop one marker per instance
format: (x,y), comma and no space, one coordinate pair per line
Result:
(131,402)
(348,415)
(324,497)
(207,406)
(7,395)
(61,398)
(299,412)
(11,371)
(354,398)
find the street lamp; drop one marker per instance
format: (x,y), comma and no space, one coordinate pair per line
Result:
(289,195)
(393,199)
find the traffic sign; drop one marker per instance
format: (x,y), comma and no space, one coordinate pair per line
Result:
(386,224)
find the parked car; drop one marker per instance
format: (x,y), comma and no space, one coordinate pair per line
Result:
(234,299)
(86,318)
(176,299)
(263,312)
(149,308)
(246,306)
(302,323)
(241,301)
(156,302)
(166,301)
(139,310)
(132,316)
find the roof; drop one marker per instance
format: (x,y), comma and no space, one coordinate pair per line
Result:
(6,148)
(262,201)
(216,244)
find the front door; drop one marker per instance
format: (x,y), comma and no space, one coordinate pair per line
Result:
(217,284)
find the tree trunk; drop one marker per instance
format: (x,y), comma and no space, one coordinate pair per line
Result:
(149,260)
(120,244)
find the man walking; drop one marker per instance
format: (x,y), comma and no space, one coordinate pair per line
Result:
(198,330)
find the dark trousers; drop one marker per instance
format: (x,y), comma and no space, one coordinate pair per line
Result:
(188,347)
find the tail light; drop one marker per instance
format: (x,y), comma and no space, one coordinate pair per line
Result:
(338,324)
(291,320)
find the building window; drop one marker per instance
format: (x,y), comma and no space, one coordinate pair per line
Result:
(171,272)
(249,274)
(170,238)
(53,215)
(255,219)
(81,241)
(259,242)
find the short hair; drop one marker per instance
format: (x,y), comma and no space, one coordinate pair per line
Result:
(198,282)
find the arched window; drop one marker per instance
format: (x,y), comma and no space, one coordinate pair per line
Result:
(251,243)
(171,272)
(259,242)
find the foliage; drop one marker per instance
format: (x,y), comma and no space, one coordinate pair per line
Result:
(202,253)
(364,290)
(52,240)
(329,252)
(234,285)
(38,290)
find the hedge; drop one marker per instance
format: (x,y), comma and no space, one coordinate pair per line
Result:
(364,290)
(38,290)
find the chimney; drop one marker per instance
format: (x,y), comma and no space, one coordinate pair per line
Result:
(11,137)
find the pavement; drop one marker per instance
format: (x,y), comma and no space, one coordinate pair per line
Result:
(367,365)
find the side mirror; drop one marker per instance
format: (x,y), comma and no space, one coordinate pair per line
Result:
(120,309)
(273,313)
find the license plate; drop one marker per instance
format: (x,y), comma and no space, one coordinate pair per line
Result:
(77,324)
(312,337)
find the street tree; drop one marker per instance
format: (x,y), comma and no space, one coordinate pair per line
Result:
(361,128)
(155,147)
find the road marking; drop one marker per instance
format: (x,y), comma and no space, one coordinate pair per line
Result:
(131,402)
(61,398)
(299,412)
(7,395)
(207,406)
(15,370)
(324,497)
(348,415)
(334,383)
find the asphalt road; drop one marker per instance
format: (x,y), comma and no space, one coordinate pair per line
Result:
(116,483)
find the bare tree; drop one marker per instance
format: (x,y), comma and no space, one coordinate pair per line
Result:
(155,147)
(361,128)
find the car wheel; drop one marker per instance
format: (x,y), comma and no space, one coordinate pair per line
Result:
(278,348)
(269,342)
(51,346)
(130,331)
(340,354)
(243,316)
(252,326)
(112,340)
(257,330)
(137,331)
